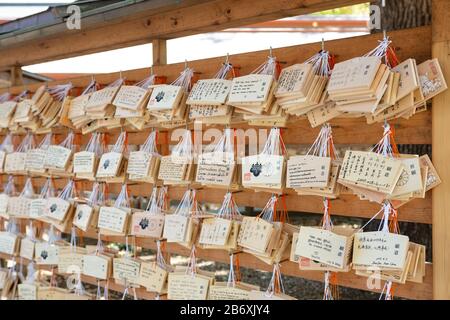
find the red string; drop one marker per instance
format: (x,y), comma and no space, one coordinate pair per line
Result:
(331,61)
(125,147)
(237,268)
(391,57)
(283,147)
(277,69)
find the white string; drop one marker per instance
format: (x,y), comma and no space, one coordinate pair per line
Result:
(327,223)
(60,91)
(384,146)
(91,87)
(224,145)
(231,275)
(323,145)
(68,141)
(268,67)
(192,266)
(119,146)
(150,143)
(184,79)
(96,198)
(160,261)
(185,205)
(46,142)
(153,205)
(127,248)
(384,223)
(184,148)
(10,187)
(162,197)
(79,289)
(116,83)
(73,239)
(223,71)
(276,274)
(126,291)
(67,193)
(21,95)
(147,82)
(7,143)
(386,291)
(20,273)
(267,212)
(12,226)
(47,190)
(229,210)
(371,219)
(101,296)
(320,63)
(27,191)
(95,144)
(31,273)
(99,292)
(122,201)
(5,97)
(30,233)
(27,143)
(106,291)
(381,50)
(274,144)
(52,236)
(327,294)
(99,248)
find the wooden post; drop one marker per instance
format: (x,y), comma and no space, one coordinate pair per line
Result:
(16,76)
(441,153)
(159,52)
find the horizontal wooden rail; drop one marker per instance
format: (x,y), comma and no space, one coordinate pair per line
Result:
(347,205)
(148,21)
(416,130)
(409,43)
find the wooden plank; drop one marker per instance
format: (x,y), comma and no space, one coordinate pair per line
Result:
(200,17)
(416,130)
(159,51)
(418,210)
(347,205)
(16,76)
(441,153)
(415,43)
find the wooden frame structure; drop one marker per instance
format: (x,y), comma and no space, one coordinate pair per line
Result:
(430,127)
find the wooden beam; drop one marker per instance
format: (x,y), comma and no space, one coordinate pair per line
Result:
(410,43)
(16,76)
(347,205)
(205,16)
(416,130)
(441,153)
(159,51)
